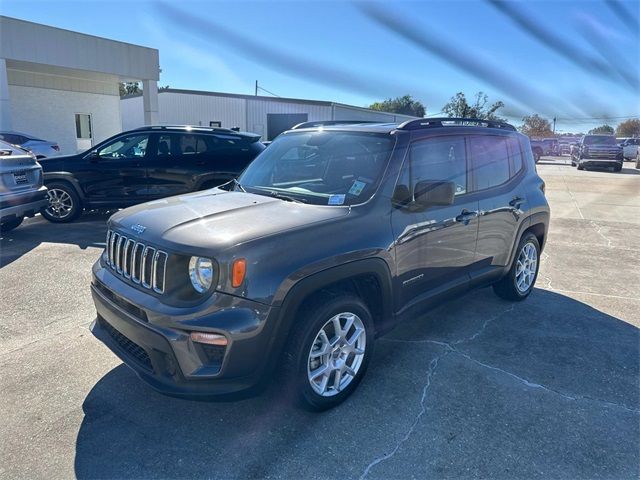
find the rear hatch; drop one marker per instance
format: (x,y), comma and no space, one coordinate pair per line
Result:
(19,171)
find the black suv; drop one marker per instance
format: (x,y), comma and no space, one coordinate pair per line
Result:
(145,164)
(597,151)
(329,237)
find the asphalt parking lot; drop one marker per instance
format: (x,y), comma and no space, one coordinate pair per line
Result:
(476,388)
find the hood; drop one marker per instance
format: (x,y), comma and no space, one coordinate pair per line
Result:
(217,219)
(58,162)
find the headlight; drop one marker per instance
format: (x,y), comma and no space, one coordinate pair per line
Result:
(201,273)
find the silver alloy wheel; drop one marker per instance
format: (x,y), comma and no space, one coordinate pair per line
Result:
(526,267)
(336,354)
(60,203)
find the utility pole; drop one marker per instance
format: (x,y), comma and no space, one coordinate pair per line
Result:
(554,125)
(256,88)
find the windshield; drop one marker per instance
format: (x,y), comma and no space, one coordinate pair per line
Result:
(600,140)
(320,167)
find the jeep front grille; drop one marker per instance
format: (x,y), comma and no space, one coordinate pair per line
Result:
(140,263)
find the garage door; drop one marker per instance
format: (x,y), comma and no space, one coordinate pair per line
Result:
(279,122)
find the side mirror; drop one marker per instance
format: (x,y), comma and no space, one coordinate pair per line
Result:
(93,156)
(428,193)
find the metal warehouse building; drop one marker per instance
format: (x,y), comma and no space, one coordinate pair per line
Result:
(63,86)
(267,116)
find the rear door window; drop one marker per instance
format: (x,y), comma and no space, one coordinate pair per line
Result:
(489,161)
(516,155)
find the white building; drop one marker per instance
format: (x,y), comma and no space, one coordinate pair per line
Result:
(267,116)
(63,86)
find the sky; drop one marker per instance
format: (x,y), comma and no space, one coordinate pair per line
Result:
(578,61)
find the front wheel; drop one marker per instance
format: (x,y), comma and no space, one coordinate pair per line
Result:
(64,203)
(519,282)
(328,353)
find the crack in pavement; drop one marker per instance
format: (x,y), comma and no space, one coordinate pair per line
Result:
(451,348)
(423,409)
(598,229)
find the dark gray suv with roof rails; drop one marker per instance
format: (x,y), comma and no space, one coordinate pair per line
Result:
(331,236)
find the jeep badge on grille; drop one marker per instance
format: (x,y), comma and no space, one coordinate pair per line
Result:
(139,229)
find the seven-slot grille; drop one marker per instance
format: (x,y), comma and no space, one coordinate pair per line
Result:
(140,263)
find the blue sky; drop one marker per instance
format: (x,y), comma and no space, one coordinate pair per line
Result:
(576,60)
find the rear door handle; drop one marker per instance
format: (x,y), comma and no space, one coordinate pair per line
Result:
(466,216)
(516,201)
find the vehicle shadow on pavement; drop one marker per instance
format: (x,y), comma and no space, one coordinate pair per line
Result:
(476,388)
(88,231)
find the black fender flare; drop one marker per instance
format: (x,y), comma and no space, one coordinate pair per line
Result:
(65,177)
(317,281)
(533,219)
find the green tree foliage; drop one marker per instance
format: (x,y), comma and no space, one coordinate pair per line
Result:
(602,130)
(405,105)
(629,128)
(129,88)
(536,126)
(458,106)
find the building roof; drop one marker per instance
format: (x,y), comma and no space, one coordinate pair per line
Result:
(31,42)
(263,97)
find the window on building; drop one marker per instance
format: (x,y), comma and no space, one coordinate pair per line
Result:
(83,126)
(215,124)
(489,161)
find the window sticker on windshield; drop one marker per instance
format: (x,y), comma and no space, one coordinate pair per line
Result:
(336,199)
(357,187)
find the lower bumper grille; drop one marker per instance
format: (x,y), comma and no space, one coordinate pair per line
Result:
(134,351)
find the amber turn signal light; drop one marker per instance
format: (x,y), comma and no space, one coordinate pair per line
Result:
(238,271)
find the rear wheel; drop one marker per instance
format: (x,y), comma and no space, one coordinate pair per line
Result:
(64,203)
(328,353)
(10,225)
(580,167)
(519,282)
(617,168)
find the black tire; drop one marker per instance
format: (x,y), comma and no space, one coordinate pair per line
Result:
(507,287)
(617,168)
(11,224)
(580,167)
(314,316)
(537,154)
(75,211)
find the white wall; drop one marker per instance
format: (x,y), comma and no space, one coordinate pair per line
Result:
(50,114)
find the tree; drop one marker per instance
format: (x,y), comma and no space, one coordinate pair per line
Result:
(536,126)
(602,130)
(459,107)
(629,128)
(404,105)
(129,88)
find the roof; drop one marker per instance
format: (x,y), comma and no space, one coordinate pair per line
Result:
(263,97)
(196,128)
(31,42)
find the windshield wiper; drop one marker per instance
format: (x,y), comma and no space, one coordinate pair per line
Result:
(286,198)
(236,183)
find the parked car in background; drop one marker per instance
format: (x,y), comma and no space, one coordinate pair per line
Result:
(599,151)
(537,147)
(629,148)
(145,164)
(40,148)
(21,191)
(290,270)
(551,146)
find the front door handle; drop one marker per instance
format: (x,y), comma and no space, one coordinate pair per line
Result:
(466,216)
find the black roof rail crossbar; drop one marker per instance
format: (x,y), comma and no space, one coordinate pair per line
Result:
(327,123)
(201,128)
(453,121)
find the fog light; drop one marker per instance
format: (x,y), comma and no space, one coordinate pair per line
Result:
(209,338)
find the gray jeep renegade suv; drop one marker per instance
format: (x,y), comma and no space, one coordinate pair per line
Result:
(330,237)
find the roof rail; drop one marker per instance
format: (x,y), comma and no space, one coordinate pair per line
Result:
(326,123)
(187,127)
(453,122)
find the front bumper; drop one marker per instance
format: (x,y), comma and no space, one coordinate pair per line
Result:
(600,162)
(23,204)
(153,339)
